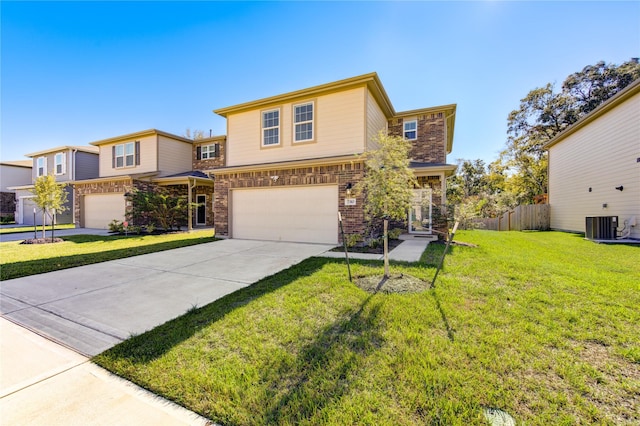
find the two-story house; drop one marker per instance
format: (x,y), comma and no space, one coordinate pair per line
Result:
(291,161)
(12,173)
(66,164)
(143,160)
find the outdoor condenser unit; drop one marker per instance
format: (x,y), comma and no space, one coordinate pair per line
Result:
(601,227)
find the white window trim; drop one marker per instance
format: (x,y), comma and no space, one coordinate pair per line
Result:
(63,163)
(404,129)
(125,155)
(208,152)
(44,166)
(263,128)
(312,121)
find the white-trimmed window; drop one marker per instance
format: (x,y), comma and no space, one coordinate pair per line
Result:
(271,127)
(410,130)
(41,166)
(59,160)
(209,151)
(303,122)
(124,155)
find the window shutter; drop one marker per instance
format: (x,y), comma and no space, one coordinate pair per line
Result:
(137,153)
(64,163)
(217,150)
(113,157)
(198,153)
(45,166)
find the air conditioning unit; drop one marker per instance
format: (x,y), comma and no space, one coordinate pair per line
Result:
(602,227)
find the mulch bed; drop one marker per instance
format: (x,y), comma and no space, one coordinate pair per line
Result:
(371,250)
(401,283)
(42,241)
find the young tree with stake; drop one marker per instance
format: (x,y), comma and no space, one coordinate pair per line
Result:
(388,183)
(50,196)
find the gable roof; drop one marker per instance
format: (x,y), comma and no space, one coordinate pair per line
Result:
(140,134)
(620,97)
(371,80)
(27,164)
(89,149)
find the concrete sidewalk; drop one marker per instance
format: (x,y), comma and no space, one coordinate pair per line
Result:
(58,233)
(53,385)
(410,250)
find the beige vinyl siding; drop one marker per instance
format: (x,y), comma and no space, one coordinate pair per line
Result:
(376,120)
(175,156)
(601,156)
(338,130)
(148,157)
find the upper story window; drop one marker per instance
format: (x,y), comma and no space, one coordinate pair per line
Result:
(303,122)
(206,152)
(410,131)
(271,127)
(126,155)
(41,166)
(59,160)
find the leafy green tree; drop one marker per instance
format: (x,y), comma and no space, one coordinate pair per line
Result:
(50,196)
(158,207)
(388,183)
(543,114)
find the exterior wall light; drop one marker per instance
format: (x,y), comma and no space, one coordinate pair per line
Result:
(348,188)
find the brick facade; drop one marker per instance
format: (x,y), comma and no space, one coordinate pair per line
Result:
(340,174)
(210,163)
(127,184)
(430,145)
(81,189)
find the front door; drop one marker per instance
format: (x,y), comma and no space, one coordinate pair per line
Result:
(420,212)
(201,214)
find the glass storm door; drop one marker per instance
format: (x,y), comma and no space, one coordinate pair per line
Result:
(420,212)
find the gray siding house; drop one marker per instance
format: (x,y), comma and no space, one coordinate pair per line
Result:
(67,164)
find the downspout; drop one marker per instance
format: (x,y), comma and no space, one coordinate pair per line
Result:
(73,178)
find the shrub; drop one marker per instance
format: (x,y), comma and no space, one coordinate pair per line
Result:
(394,234)
(116,226)
(351,240)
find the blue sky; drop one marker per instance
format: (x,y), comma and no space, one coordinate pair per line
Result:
(77,72)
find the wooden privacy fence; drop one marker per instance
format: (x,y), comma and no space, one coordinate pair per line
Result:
(522,218)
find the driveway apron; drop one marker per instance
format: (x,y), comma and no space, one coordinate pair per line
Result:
(91,308)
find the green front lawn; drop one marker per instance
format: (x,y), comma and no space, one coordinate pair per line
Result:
(19,260)
(541,325)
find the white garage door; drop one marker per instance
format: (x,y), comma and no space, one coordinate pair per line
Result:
(301,214)
(101,209)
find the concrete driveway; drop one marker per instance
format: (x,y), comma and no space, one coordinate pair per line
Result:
(91,308)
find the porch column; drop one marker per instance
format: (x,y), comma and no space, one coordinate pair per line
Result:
(189,211)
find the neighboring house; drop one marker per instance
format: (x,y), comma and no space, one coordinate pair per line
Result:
(291,161)
(141,160)
(594,166)
(66,164)
(12,174)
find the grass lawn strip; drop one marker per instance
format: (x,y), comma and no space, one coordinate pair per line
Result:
(540,325)
(19,260)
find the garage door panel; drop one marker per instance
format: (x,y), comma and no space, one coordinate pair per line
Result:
(101,209)
(306,214)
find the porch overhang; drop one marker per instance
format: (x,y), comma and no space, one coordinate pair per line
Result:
(429,169)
